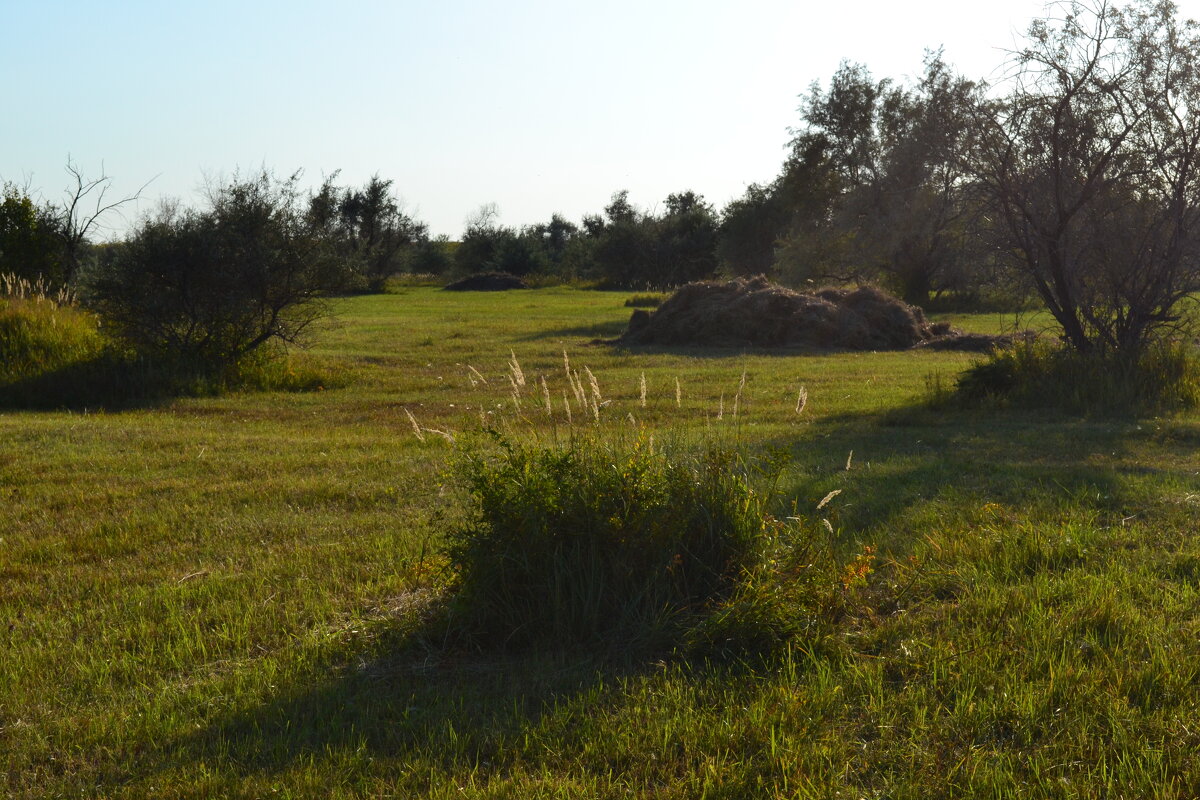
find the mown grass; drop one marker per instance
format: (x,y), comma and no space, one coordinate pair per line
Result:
(233,595)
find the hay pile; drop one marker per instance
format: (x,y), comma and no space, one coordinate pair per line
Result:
(487,282)
(753,312)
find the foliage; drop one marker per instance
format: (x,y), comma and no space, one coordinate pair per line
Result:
(629,248)
(600,541)
(369,229)
(39,336)
(896,206)
(30,245)
(209,287)
(1091,163)
(1158,378)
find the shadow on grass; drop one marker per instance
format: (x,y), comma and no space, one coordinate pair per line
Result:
(106,382)
(404,698)
(598,330)
(912,469)
(114,382)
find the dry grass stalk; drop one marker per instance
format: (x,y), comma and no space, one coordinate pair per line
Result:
(416,428)
(546,397)
(596,408)
(721,407)
(828,526)
(737,398)
(678,393)
(594,384)
(475,376)
(801,400)
(514,366)
(15,287)
(642,390)
(567,406)
(825,500)
(444,434)
(849,460)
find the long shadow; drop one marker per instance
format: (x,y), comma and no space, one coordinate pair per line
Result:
(962,460)
(597,330)
(407,697)
(100,383)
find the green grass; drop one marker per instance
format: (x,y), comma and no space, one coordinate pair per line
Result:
(233,595)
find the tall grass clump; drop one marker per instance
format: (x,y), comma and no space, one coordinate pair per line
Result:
(1164,376)
(40,332)
(598,541)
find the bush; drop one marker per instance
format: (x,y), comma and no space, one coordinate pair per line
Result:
(594,541)
(1161,377)
(39,336)
(206,288)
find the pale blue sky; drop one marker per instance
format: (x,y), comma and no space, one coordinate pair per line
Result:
(534,105)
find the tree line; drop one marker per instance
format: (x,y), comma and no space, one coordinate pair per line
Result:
(1075,179)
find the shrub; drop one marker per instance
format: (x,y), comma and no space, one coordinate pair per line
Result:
(593,541)
(206,288)
(1161,377)
(39,336)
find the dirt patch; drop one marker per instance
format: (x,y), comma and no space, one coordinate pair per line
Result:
(754,312)
(487,282)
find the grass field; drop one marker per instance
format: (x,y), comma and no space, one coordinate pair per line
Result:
(226,596)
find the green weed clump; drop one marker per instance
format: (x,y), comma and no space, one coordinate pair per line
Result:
(1163,377)
(38,335)
(595,541)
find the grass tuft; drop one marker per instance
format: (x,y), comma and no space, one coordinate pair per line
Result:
(1036,374)
(596,541)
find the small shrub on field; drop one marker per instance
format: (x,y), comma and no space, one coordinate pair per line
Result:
(1162,377)
(39,336)
(42,330)
(596,541)
(645,301)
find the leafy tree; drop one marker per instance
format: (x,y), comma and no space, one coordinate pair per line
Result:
(686,239)
(30,245)
(751,227)
(368,227)
(1091,163)
(210,286)
(876,187)
(487,246)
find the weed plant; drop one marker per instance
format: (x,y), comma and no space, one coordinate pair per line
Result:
(1163,377)
(607,540)
(38,336)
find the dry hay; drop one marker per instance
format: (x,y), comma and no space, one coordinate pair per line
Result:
(753,312)
(487,282)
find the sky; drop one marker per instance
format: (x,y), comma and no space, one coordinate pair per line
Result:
(537,106)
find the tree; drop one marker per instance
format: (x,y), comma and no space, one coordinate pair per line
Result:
(686,241)
(210,286)
(1091,163)
(916,213)
(85,204)
(487,246)
(368,227)
(875,184)
(30,246)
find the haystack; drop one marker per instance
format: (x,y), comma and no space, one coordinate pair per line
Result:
(754,312)
(487,282)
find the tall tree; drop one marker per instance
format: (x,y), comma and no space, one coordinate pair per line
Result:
(1091,161)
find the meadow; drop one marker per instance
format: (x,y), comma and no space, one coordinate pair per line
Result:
(230,596)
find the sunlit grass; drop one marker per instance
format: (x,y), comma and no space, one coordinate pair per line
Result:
(228,596)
